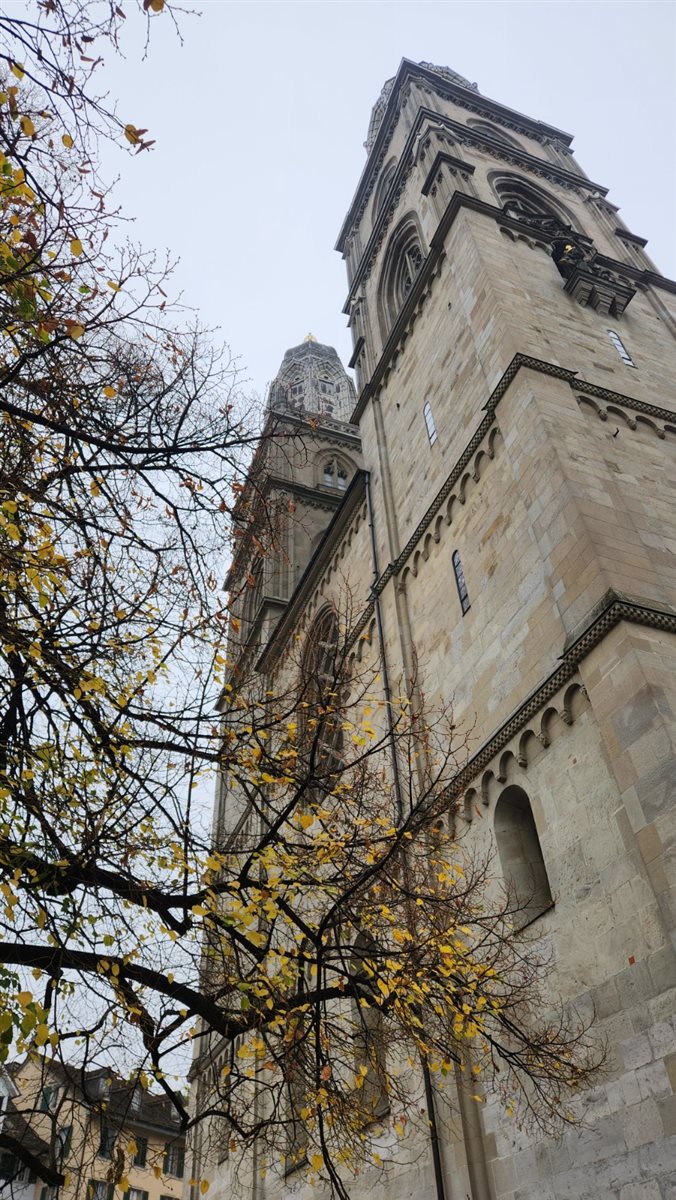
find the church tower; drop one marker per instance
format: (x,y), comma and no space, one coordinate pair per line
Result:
(515,351)
(306,459)
(512,539)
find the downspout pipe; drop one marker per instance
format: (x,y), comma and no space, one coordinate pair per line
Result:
(381,647)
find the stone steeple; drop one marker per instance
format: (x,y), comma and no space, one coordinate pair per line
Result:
(312,382)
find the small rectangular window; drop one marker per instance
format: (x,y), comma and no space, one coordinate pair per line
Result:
(621,348)
(100,1189)
(107,1141)
(174,1160)
(429,422)
(460,582)
(141,1152)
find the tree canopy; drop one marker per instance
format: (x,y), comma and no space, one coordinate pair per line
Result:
(341,913)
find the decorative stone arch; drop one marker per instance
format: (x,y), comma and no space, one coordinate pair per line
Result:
(522,196)
(333,469)
(382,187)
(494,131)
(520,854)
(404,257)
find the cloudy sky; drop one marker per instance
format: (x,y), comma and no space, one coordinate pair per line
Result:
(261,111)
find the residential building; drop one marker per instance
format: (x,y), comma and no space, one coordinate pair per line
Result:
(106,1137)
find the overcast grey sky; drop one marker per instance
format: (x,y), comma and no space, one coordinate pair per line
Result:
(260,118)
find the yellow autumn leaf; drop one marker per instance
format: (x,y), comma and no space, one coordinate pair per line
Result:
(75,331)
(317,1162)
(76,247)
(109,392)
(157,6)
(132,135)
(41,1035)
(25,998)
(67,141)
(27,126)
(94,488)
(204,1186)
(17,70)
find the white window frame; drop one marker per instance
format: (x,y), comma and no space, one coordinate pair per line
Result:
(429,423)
(621,348)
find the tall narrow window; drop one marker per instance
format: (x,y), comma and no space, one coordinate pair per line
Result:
(521,859)
(429,421)
(141,1152)
(621,348)
(174,1155)
(403,263)
(369,1035)
(323,684)
(460,582)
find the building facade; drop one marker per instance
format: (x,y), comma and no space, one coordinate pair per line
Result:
(105,1137)
(511,449)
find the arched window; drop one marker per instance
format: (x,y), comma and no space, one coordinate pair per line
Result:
(519,197)
(496,133)
(334,474)
(322,696)
(403,262)
(429,422)
(523,866)
(460,582)
(621,348)
(368,1034)
(383,188)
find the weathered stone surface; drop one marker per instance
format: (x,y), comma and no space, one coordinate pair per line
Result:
(561,509)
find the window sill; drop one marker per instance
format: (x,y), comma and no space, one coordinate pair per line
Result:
(531,920)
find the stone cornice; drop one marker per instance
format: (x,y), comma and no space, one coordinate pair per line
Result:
(473,101)
(541,167)
(459,201)
(320,434)
(631,237)
(450,161)
(519,362)
(613,608)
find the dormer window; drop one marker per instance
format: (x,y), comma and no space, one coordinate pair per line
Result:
(296,391)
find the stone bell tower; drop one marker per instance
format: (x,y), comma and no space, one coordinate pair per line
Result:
(308,455)
(515,351)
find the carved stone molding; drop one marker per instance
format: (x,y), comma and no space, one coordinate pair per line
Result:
(613,609)
(606,411)
(518,363)
(525,747)
(596,287)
